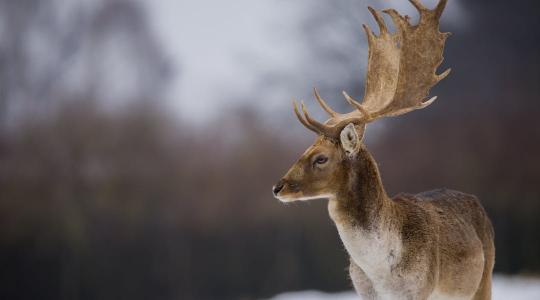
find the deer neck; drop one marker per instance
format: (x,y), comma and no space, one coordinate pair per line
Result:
(362,200)
(366,219)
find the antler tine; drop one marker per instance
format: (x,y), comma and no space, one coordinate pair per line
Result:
(398,19)
(440,7)
(369,33)
(418,5)
(443,74)
(323,104)
(301,118)
(426,103)
(319,127)
(379,19)
(356,104)
(409,109)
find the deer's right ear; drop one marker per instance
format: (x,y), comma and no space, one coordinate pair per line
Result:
(350,139)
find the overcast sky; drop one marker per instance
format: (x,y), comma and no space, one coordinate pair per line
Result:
(221,47)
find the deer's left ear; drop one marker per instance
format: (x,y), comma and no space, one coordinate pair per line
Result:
(350,138)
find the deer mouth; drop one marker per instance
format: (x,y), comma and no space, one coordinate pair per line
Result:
(286,191)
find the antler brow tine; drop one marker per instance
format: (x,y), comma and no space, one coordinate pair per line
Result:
(320,128)
(301,118)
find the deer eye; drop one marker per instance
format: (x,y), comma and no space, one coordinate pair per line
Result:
(321,159)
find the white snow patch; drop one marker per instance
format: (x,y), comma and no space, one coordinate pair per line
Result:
(504,287)
(315,295)
(515,287)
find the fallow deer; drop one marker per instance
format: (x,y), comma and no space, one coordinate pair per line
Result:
(432,245)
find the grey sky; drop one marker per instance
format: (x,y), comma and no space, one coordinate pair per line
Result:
(220,47)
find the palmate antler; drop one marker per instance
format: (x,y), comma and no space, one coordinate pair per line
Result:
(401,70)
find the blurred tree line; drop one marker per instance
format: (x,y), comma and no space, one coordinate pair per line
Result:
(132,203)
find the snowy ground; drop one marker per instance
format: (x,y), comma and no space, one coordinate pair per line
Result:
(504,287)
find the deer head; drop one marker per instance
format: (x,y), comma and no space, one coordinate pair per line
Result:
(401,70)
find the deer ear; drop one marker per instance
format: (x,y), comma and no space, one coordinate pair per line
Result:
(350,138)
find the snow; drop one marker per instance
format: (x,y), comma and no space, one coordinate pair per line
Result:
(519,288)
(504,287)
(315,295)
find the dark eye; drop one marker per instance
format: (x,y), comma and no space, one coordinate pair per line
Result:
(320,160)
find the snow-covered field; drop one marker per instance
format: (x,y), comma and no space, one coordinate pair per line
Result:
(504,287)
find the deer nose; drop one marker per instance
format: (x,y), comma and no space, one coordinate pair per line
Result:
(278,187)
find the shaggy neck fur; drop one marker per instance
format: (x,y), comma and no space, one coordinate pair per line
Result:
(362,199)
